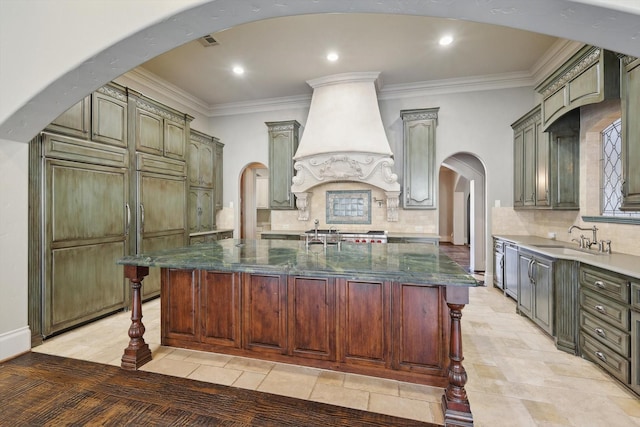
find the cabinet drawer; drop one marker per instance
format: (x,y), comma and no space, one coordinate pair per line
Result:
(605,283)
(635,295)
(612,362)
(605,309)
(606,334)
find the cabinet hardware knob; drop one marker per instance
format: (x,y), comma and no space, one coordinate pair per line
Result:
(599,284)
(600,308)
(600,332)
(600,355)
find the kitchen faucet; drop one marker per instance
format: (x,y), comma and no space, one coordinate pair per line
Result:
(585,242)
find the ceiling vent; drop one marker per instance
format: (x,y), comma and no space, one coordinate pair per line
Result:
(207,41)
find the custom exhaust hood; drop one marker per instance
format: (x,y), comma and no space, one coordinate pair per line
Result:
(344,140)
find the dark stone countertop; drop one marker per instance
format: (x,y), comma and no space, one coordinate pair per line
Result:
(405,262)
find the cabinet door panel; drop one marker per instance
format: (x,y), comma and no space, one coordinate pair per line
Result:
(419,342)
(218,175)
(194,211)
(525,287)
(542,167)
(180,304)
(84,282)
(149,132)
(205,165)
(281,170)
(75,121)
(174,140)
(518,169)
(85,201)
(312,317)
(364,320)
(529,174)
(109,120)
(543,304)
(206,210)
(220,313)
(163,200)
(265,313)
(419,152)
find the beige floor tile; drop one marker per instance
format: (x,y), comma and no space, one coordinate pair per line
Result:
(169,366)
(253,365)
(215,374)
(337,395)
(331,378)
(249,380)
(290,380)
(375,385)
(212,359)
(420,392)
(543,412)
(400,407)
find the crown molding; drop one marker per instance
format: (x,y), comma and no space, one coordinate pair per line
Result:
(553,59)
(260,105)
(150,81)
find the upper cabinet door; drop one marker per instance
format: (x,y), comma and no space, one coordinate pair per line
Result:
(218,173)
(631,135)
(175,139)
(75,121)
(283,143)
(109,116)
(419,143)
(149,132)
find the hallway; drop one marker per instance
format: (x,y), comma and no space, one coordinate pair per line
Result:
(516,375)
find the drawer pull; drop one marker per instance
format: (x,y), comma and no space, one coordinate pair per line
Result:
(600,332)
(600,308)
(599,284)
(600,355)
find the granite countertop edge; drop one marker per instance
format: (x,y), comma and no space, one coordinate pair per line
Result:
(616,262)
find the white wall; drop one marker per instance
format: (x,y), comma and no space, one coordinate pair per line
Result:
(54,53)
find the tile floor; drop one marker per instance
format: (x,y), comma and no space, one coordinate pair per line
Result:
(516,375)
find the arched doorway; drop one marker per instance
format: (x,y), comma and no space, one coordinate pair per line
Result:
(466,218)
(253,196)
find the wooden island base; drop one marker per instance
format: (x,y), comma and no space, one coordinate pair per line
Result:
(402,331)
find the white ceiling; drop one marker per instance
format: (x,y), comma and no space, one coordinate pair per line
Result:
(281,54)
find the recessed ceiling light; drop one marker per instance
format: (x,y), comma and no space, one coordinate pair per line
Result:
(446,40)
(238,70)
(332,56)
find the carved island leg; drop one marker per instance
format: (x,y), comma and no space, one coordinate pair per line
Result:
(455,404)
(137,353)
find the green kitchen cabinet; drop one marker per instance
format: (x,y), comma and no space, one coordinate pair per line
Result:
(76,121)
(109,115)
(161,210)
(81,188)
(157,129)
(218,161)
(201,216)
(630,134)
(283,143)
(546,164)
(201,181)
(590,76)
(535,289)
(419,144)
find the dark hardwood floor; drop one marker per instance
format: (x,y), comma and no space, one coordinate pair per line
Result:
(38,390)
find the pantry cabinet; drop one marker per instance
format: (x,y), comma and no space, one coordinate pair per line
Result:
(419,145)
(202,182)
(630,134)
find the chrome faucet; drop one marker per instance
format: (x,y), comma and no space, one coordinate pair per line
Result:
(585,242)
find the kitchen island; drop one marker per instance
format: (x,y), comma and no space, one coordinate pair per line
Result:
(386,310)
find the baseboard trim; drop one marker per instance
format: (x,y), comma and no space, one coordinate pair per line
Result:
(14,343)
